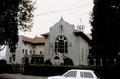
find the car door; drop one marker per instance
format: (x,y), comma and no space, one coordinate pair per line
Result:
(70,75)
(87,75)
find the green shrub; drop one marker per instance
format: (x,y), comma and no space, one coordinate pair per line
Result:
(68,61)
(48,62)
(3,61)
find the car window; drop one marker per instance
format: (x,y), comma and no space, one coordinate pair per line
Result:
(71,74)
(86,75)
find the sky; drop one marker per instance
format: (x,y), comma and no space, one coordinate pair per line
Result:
(49,12)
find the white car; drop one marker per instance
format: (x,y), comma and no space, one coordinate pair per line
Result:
(76,74)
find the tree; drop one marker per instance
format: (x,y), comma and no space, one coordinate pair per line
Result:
(106,27)
(14,15)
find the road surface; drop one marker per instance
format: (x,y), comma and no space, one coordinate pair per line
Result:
(19,76)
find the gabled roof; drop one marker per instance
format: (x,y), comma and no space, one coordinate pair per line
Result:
(76,32)
(83,35)
(36,40)
(45,34)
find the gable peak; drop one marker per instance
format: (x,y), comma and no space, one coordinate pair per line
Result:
(61,19)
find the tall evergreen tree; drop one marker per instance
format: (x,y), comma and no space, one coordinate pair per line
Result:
(14,15)
(106,28)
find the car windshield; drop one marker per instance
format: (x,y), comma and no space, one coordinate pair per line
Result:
(70,74)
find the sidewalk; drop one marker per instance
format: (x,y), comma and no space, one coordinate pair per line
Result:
(19,76)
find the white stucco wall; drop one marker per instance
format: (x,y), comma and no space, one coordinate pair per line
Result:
(81,51)
(7,55)
(47,49)
(18,53)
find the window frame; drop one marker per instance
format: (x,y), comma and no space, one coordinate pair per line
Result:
(83,75)
(66,74)
(61,44)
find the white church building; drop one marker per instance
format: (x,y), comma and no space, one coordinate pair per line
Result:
(61,42)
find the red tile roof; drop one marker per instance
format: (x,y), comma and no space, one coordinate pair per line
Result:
(36,40)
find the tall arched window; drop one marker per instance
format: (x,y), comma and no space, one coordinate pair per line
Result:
(61,44)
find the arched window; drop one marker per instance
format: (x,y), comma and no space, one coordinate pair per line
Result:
(40,51)
(61,44)
(56,57)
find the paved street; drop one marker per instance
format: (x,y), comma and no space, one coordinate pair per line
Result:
(19,76)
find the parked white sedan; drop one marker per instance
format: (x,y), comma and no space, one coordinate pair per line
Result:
(76,74)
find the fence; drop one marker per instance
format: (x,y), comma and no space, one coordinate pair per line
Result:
(109,61)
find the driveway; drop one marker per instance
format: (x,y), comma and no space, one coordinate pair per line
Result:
(20,76)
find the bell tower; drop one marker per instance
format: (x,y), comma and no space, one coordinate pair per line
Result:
(81,26)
